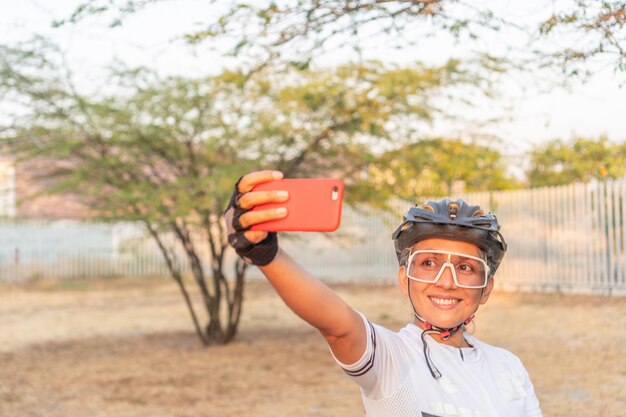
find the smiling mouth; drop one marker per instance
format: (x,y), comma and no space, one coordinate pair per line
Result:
(444,301)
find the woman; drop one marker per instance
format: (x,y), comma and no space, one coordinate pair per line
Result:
(448,252)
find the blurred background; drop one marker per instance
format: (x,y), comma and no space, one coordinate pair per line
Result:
(125,124)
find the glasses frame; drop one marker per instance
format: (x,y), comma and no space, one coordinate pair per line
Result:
(449,265)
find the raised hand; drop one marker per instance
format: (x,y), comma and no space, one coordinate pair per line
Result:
(255,246)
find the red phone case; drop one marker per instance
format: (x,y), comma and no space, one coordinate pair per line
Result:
(314,205)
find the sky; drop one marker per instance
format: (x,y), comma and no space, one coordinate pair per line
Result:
(150,38)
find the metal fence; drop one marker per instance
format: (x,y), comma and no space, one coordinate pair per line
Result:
(569,239)
(32,249)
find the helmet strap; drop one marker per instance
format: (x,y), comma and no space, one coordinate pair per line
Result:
(444,333)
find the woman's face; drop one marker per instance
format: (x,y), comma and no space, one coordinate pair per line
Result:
(443,303)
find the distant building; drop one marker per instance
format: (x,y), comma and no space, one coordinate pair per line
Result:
(23,193)
(7,188)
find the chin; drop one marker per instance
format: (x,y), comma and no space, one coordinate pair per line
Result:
(446,319)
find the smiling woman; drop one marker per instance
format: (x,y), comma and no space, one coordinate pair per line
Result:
(448,253)
(443,295)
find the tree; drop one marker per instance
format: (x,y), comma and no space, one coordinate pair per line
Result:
(561,162)
(432,167)
(166,152)
(581,34)
(594,30)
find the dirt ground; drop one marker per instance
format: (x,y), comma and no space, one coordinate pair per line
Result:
(126,347)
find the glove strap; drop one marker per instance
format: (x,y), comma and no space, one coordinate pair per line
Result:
(259,254)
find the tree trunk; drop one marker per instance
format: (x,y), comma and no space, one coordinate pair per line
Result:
(237,300)
(221,294)
(177,276)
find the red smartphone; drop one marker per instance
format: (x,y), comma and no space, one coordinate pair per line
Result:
(314,205)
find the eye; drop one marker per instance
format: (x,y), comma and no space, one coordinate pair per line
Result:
(429,263)
(465,268)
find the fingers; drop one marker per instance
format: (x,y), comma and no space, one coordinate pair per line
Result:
(255,236)
(248,181)
(259,216)
(254,198)
(238,217)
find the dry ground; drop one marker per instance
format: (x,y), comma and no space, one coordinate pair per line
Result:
(126,348)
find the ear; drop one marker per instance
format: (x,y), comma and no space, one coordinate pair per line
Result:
(487,291)
(403,281)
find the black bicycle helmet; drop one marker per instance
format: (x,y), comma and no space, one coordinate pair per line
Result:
(455,220)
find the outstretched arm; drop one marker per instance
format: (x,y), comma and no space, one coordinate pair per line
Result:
(304,294)
(319,306)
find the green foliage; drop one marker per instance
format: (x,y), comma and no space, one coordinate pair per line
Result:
(583,35)
(166,152)
(579,160)
(436,167)
(296,31)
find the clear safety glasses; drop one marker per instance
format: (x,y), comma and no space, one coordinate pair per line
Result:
(428,266)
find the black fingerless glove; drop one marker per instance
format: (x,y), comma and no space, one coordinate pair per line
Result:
(259,254)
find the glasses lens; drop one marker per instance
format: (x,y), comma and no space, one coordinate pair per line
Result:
(425,266)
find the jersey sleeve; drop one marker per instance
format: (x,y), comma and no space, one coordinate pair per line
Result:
(531,402)
(525,386)
(380,369)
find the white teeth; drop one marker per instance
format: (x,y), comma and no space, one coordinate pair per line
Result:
(444,301)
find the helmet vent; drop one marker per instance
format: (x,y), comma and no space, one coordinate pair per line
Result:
(406,226)
(453,208)
(454,220)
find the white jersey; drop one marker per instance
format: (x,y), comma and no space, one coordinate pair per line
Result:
(480,381)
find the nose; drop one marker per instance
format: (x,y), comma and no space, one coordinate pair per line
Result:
(446,280)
